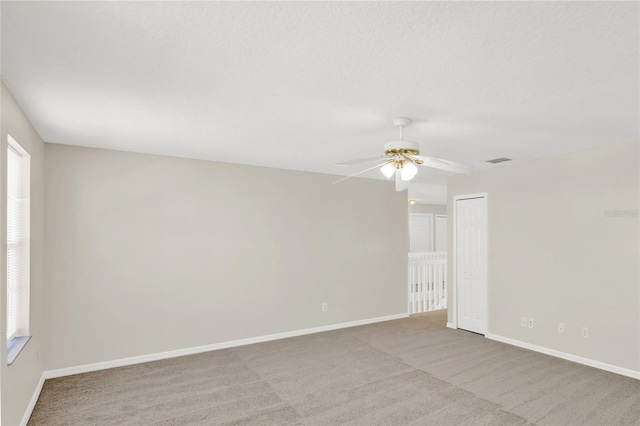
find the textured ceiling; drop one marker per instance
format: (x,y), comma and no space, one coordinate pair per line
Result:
(301,85)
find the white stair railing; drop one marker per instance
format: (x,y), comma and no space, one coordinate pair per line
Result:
(427,281)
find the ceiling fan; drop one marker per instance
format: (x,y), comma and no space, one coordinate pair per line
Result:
(401,158)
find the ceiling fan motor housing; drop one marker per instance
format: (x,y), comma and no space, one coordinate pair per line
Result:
(401,147)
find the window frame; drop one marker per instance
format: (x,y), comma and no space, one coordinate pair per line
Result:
(19,335)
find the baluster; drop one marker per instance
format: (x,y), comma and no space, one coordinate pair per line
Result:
(444,288)
(420,299)
(428,282)
(430,287)
(434,279)
(413,288)
(437,284)
(434,287)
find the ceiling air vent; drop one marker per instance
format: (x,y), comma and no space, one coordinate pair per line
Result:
(498,160)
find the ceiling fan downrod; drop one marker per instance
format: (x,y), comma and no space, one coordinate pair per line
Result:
(401,123)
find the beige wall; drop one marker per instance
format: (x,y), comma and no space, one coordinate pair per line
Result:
(555,257)
(148,253)
(434,209)
(20,379)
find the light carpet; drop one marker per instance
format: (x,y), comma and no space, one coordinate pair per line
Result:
(411,371)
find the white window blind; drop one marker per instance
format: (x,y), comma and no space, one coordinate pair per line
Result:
(17,241)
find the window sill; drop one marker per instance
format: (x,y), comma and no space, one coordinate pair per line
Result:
(15,346)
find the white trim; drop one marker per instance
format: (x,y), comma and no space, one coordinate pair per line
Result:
(454,282)
(86,368)
(32,403)
(435,230)
(49,374)
(452,261)
(569,357)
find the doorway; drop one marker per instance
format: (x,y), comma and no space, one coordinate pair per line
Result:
(420,232)
(441,232)
(470,262)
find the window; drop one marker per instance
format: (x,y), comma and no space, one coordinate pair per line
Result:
(18,224)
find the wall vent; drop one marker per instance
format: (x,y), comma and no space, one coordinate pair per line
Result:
(498,160)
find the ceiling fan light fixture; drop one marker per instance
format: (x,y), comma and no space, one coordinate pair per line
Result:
(401,158)
(388,170)
(409,171)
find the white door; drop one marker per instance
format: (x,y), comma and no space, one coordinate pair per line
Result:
(420,232)
(441,233)
(471,263)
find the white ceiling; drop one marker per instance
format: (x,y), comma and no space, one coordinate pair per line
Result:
(301,85)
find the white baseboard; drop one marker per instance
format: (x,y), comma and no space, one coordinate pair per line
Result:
(32,403)
(450,325)
(569,357)
(86,368)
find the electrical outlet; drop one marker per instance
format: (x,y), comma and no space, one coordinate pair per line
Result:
(325,307)
(523,321)
(561,328)
(530,322)
(585,331)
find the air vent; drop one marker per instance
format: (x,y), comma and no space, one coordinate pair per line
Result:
(498,160)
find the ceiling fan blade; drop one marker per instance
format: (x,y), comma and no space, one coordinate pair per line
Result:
(401,185)
(449,166)
(361,171)
(360,161)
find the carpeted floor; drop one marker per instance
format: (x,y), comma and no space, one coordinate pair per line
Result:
(409,371)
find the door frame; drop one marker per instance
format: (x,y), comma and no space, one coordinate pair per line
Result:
(435,229)
(454,282)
